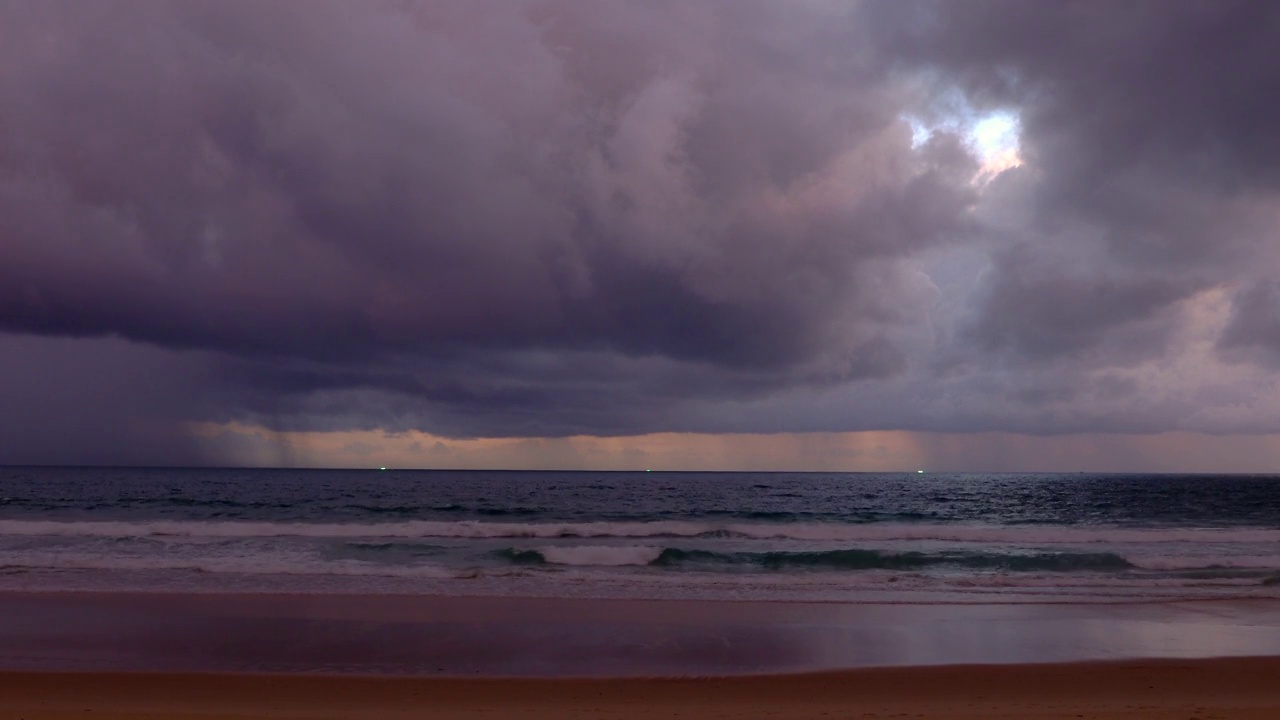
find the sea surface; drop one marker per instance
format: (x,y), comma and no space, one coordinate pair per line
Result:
(829,537)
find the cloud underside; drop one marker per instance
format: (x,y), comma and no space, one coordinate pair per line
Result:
(556,218)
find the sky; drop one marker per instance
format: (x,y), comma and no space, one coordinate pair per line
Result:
(684,234)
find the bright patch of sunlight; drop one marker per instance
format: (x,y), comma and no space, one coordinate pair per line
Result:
(995,138)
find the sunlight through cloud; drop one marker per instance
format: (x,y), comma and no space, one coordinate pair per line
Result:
(994,138)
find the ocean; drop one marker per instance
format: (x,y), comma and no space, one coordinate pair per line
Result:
(821,537)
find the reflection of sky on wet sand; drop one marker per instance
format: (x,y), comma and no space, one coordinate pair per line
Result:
(497,636)
(926,635)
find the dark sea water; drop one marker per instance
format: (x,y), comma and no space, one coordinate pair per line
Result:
(752,536)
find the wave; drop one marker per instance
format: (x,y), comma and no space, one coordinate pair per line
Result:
(223,507)
(408,529)
(1197,562)
(238,566)
(857,559)
(850,559)
(1020,535)
(413,549)
(585,555)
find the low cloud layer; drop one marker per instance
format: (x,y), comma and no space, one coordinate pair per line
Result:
(558,218)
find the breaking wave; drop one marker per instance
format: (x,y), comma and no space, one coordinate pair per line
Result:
(851,559)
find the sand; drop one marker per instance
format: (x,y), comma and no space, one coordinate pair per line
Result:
(528,637)
(1242,689)
(370,657)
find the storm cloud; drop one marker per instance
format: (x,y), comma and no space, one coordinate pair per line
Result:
(553,218)
(1151,161)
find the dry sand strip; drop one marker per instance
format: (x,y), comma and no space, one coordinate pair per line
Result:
(1237,689)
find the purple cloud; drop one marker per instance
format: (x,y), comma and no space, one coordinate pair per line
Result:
(547,218)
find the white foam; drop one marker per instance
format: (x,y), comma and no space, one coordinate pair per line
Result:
(255,565)
(1021,535)
(1011,535)
(410,529)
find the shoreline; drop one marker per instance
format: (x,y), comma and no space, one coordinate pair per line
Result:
(906,598)
(230,656)
(460,636)
(1237,688)
(869,671)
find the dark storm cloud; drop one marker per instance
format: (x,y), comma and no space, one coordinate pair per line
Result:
(1042,311)
(1149,141)
(408,198)
(1254,329)
(546,218)
(105,401)
(1170,86)
(323,179)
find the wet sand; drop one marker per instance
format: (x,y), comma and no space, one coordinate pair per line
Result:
(1239,689)
(523,637)
(170,656)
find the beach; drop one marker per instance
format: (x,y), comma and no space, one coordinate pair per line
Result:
(1239,689)
(210,656)
(264,594)
(408,635)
